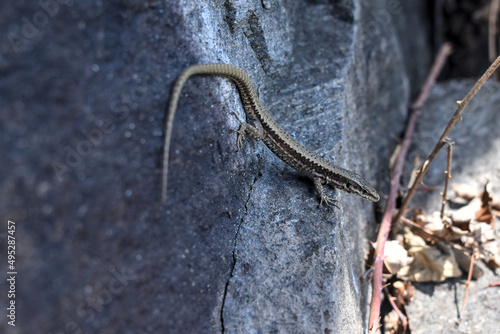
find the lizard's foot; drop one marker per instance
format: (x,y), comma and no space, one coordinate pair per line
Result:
(240,139)
(329,202)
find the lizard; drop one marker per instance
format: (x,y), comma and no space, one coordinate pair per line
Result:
(282,144)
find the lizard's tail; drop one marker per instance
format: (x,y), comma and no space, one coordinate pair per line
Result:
(169,121)
(238,75)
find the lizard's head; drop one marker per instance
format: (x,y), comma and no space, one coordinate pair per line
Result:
(359,186)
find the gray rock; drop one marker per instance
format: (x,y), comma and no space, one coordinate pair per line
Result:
(241,246)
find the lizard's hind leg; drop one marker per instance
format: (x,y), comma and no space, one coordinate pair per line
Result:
(245,129)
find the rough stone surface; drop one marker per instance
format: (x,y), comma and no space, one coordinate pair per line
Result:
(415,35)
(436,307)
(241,246)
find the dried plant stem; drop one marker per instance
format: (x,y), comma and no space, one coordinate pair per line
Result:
(402,317)
(441,142)
(448,177)
(421,231)
(414,172)
(429,235)
(493,284)
(385,226)
(467,284)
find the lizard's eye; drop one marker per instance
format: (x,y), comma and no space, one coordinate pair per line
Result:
(348,185)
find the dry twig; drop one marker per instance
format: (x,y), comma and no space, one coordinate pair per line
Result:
(442,140)
(430,236)
(467,284)
(448,177)
(385,227)
(493,284)
(402,317)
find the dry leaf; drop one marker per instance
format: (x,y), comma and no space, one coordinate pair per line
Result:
(435,230)
(494,262)
(430,264)
(465,191)
(463,260)
(391,323)
(482,232)
(396,257)
(467,213)
(461,227)
(403,293)
(495,202)
(431,222)
(484,212)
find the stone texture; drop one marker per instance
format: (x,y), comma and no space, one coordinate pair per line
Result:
(414,30)
(241,246)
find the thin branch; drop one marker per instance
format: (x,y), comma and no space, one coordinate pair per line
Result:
(467,284)
(402,317)
(385,227)
(429,235)
(448,177)
(456,116)
(414,171)
(421,231)
(493,284)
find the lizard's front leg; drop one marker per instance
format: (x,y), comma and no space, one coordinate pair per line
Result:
(329,202)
